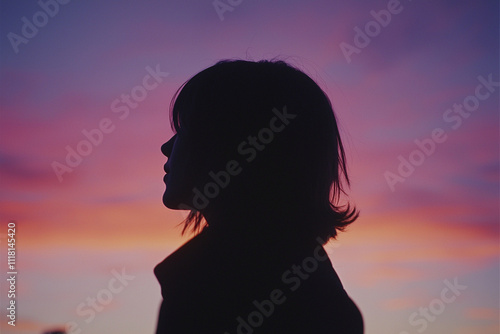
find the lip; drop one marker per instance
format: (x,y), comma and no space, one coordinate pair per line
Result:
(166,168)
(165,178)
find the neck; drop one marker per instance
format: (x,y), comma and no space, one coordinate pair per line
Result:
(259,226)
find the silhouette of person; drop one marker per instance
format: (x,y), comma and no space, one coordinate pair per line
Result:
(258,159)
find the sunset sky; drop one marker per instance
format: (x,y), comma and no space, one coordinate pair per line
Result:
(414,85)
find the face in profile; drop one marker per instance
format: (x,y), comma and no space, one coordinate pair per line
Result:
(177,179)
(186,163)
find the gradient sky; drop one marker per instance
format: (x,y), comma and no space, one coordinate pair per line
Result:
(440,225)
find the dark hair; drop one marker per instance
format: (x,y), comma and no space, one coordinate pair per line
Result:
(233,97)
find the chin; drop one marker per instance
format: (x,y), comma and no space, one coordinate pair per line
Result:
(170,203)
(174,202)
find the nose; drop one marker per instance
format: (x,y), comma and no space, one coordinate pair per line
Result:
(166,148)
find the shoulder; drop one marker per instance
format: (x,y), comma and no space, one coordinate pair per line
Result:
(316,296)
(201,261)
(186,258)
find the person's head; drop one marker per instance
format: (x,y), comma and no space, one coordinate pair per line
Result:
(257,140)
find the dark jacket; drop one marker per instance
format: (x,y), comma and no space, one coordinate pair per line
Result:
(241,285)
